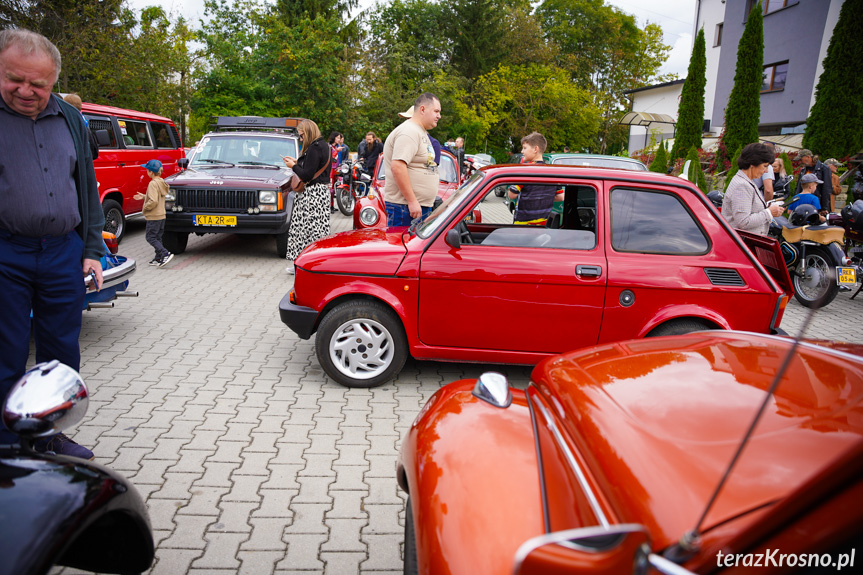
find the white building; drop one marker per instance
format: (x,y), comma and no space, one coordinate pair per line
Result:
(796,36)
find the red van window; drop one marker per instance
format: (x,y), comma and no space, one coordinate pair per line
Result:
(162,135)
(135,133)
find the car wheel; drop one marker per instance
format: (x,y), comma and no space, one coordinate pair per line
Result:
(817,287)
(175,242)
(500,191)
(679,327)
(115,219)
(411,561)
(282,245)
(361,344)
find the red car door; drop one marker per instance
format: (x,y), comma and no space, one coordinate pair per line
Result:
(516,288)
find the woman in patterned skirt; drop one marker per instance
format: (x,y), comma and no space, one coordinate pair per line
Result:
(310,220)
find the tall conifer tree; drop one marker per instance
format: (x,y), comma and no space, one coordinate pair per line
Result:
(835,124)
(744,104)
(690,116)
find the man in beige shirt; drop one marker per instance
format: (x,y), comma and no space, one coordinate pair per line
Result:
(411,172)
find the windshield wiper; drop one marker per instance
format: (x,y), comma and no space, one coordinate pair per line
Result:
(222,162)
(252,163)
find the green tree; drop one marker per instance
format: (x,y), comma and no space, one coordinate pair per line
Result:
(660,161)
(690,116)
(605,51)
(835,124)
(513,101)
(733,169)
(743,112)
(695,173)
(477,37)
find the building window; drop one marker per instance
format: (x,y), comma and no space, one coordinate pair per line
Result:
(718,39)
(771,5)
(773,77)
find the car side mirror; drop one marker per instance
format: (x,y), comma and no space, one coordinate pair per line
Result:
(183,163)
(477,217)
(48,399)
(453,239)
(102,138)
(615,549)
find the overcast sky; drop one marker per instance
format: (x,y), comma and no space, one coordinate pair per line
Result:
(675,17)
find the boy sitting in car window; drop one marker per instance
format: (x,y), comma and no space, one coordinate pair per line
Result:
(534,200)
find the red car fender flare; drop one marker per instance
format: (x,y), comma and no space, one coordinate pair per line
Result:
(364,290)
(107,193)
(689,311)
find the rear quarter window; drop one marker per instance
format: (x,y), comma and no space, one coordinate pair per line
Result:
(654,222)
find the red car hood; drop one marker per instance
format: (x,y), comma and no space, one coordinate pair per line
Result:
(370,251)
(658,421)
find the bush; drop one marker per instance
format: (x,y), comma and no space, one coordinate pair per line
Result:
(696,174)
(660,162)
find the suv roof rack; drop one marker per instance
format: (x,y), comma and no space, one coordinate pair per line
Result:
(227,123)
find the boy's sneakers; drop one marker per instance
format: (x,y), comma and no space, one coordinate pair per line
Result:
(165,259)
(154,262)
(61,445)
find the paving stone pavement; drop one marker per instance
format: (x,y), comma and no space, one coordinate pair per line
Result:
(250,458)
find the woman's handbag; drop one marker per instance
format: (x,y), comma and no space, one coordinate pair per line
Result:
(299,186)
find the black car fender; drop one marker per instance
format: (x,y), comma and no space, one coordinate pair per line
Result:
(57,510)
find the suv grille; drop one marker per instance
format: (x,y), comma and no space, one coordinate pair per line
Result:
(230,201)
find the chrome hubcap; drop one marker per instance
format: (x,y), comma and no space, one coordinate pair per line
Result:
(361,349)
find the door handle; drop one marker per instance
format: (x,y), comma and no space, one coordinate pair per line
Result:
(588,271)
(121,164)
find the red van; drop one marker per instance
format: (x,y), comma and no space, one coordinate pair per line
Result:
(128,139)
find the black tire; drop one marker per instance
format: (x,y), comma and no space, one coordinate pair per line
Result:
(818,286)
(500,191)
(346,335)
(345,201)
(282,245)
(115,219)
(411,560)
(679,327)
(175,242)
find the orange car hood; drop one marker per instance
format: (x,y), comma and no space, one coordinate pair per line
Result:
(658,421)
(376,251)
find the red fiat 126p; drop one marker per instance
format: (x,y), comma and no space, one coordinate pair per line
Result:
(633,254)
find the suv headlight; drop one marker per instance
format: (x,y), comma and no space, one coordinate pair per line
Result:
(170,198)
(267,197)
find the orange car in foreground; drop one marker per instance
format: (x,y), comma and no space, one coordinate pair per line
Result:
(611,461)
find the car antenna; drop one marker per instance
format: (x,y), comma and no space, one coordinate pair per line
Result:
(690,543)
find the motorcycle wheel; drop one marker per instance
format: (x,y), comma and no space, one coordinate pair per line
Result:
(817,287)
(345,200)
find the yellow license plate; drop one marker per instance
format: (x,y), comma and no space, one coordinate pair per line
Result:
(204,220)
(846,276)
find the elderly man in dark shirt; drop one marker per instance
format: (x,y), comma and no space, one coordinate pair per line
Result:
(50,217)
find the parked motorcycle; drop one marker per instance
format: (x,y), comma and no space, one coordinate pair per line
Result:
(851,220)
(814,255)
(355,184)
